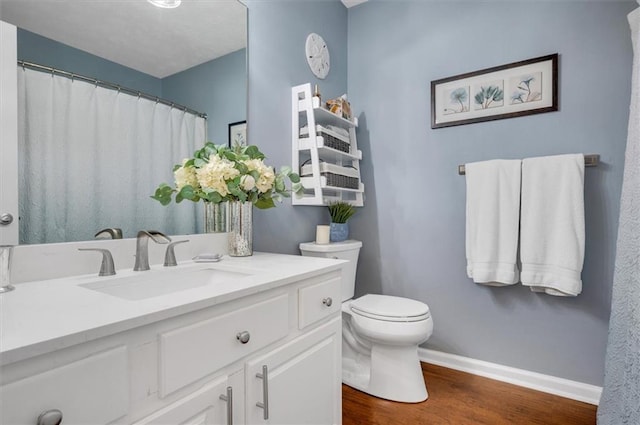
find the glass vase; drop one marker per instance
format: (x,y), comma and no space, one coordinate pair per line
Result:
(240,229)
(216,217)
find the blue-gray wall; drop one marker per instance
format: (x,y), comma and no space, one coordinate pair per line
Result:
(218,87)
(277,33)
(44,51)
(413,223)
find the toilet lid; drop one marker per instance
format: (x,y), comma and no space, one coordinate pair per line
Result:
(389,308)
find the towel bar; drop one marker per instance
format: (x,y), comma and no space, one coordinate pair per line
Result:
(590,160)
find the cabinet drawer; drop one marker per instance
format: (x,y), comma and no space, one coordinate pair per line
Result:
(94,390)
(318,301)
(192,352)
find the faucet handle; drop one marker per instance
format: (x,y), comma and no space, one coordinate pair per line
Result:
(170,255)
(107,267)
(114,232)
(155,235)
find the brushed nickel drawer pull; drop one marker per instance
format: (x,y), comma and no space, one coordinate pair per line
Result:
(229,399)
(265,391)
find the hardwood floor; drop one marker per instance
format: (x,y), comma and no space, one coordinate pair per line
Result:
(459,398)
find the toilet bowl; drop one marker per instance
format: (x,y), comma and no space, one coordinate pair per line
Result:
(380,333)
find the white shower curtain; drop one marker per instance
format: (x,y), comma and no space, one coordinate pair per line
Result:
(620,402)
(90,158)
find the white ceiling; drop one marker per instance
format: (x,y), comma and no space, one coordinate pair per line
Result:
(134,33)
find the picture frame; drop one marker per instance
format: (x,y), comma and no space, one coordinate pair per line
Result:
(507,91)
(238,133)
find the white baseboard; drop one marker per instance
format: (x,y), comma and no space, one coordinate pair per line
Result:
(524,378)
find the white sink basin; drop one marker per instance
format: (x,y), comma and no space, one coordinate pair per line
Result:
(156,283)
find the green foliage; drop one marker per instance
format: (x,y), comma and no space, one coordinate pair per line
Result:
(340,211)
(219,173)
(163,194)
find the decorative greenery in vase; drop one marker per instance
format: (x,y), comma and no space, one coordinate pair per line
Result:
(340,211)
(217,174)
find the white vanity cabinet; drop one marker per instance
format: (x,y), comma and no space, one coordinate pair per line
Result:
(90,390)
(204,406)
(206,366)
(300,387)
(296,389)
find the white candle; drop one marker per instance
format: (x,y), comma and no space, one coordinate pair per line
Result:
(322,234)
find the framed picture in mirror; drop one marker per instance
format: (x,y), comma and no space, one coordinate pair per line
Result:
(238,133)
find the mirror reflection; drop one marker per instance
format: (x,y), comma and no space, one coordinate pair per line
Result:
(92,152)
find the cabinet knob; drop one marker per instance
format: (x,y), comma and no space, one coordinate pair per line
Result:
(243,337)
(327,301)
(50,417)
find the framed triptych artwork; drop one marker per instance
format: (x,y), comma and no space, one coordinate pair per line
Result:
(507,91)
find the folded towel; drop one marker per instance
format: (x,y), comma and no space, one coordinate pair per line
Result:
(552,224)
(493,203)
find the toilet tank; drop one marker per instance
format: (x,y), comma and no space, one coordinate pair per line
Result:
(347,250)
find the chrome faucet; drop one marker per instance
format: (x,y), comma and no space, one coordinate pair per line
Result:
(170,255)
(142,247)
(5,264)
(107,267)
(113,232)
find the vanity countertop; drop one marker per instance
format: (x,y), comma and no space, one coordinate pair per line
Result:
(43,316)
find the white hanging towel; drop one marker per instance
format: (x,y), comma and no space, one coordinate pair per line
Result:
(493,204)
(552,224)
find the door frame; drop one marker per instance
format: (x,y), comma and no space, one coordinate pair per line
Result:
(8,132)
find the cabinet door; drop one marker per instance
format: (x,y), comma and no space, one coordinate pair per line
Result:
(201,407)
(93,390)
(304,381)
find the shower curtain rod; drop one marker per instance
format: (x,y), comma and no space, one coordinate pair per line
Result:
(108,85)
(590,160)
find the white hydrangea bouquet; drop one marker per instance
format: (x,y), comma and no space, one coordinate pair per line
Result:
(217,174)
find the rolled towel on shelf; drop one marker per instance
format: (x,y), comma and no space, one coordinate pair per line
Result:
(552,232)
(492,216)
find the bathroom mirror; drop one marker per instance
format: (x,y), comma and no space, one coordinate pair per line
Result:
(159,44)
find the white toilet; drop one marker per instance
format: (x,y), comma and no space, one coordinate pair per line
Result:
(380,333)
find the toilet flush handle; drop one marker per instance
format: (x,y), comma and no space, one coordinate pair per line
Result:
(327,301)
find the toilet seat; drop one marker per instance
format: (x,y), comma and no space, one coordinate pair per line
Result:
(388,308)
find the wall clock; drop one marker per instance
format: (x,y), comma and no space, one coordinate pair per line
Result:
(317,55)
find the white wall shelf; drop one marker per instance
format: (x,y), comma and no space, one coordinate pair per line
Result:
(326,152)
(312,148)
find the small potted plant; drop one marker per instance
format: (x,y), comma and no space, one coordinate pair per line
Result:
(340,213)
